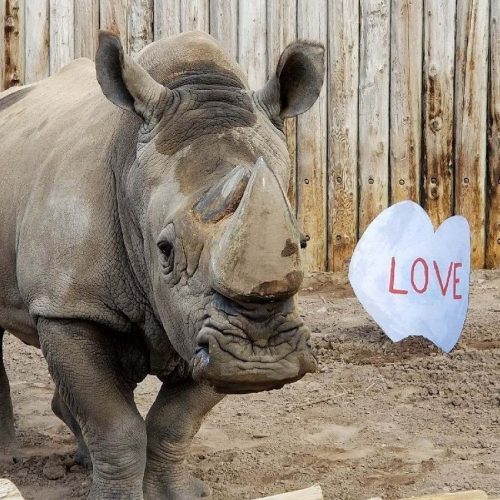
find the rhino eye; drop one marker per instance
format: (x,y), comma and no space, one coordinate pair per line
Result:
(165,248)
(166,256)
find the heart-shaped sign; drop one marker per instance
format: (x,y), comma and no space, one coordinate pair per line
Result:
(412,280)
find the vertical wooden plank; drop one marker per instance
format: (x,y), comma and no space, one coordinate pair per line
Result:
(195,15)
(373,109)
(62,41)
(140,24)
(224,24)
(343,46)
(167,18)
(281,31)
(405,99)
(113,17)
(13,73)
(471,77)
(2,44)
(439,51)
(493,178)
(37,40)
(86,28)
(252,41)
(311,148)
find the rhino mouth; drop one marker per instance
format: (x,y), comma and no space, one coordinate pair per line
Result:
(233,361)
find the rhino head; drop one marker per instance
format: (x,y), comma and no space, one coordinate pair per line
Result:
(211,234)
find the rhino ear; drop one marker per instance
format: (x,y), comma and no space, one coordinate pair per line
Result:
(125,82)
(297,82)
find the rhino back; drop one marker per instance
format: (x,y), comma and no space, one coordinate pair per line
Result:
(58,225)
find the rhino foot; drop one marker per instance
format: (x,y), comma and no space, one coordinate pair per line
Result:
(186,488)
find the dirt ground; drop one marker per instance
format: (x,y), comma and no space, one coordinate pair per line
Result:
(378,419)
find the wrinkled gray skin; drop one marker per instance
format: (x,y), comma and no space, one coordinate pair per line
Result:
(144,230)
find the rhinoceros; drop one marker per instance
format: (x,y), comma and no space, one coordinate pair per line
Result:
(145,230)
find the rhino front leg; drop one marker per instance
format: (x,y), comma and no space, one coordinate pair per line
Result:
(7,433)
(84,367)
(82,455)
(172,422)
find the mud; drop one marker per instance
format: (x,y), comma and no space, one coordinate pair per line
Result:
(378,419)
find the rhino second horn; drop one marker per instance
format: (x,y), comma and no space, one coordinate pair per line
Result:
(223,198)
(257,256)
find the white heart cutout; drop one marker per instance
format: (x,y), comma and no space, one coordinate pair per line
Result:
(412,280)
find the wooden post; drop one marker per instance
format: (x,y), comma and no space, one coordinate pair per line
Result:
(313,493)
(493,177)
(471,77)
(2,44)
(13,43)
(439,51)
(167,18)
(342,81)
(405,99)
(62,34)
(281,31)
(8,491)
(373,110)
(224,24)
(140,25)
(252,41)
(37,40)
(113,17)
(194,15)
(86,28)
(311,148)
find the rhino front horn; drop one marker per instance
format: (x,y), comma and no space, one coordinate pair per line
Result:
(257,255)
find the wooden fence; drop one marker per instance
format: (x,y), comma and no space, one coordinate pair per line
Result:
(410,109)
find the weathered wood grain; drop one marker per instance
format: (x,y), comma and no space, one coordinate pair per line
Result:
(438,77)
(2,44)
(471,76)
(9,491)
(86,28)
(62,39)
(405,99)
(373,110)
(13,43)
(311,148)
(113,17)
(252,43)
(224,24)
(493,177)
(195,15)
(281,31)
(37,40)
(342,81)
(167,18)
(140,24)
(312,493)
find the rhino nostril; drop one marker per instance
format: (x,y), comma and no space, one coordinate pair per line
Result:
(304,238)
(202,348)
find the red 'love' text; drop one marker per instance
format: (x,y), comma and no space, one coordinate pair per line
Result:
(419,278)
